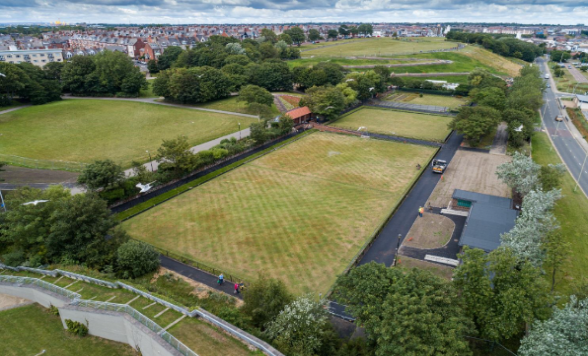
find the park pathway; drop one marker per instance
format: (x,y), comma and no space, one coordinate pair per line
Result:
(13,109)
(153,165)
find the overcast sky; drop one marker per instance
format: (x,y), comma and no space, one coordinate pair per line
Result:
(286,11)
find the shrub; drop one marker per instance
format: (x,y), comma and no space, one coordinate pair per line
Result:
(53,310)
(135,258)
(14,258)
(264,299)
(76,327)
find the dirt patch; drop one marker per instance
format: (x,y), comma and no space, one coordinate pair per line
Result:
(8,301)
(430,231)
(200,290)
(438,270)
(470,171)
(12,174)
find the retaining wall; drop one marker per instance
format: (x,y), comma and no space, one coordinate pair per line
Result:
(34,293)
(118,327)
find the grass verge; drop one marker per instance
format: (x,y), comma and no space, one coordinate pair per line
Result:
(571,212)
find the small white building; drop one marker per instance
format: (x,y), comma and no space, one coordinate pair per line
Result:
(581,102)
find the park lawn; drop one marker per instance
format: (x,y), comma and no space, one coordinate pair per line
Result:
(299,214)
(309,46)
(397,123)
(451,102)
(88,130)
(233,105)
(377,47)
(28,330)
(462,63)
(501,64)
(571,212)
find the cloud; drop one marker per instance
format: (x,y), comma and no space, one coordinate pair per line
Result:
(288,11)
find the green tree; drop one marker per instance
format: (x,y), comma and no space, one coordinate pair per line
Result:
(286,38)
(169,56)
(152,66)
(344,30)
(268,51)
(551,176)
(332,34)
(101,174)
(490,96)
(269,35)
(264,299)
(84,230)
(299,327)
(501,294)
(475,122)
(12,82)
(135,259)
(75,72)
(53,70)
(175,155)
(521,174)
(234,49)
(325,101)
(296,34)
(254,94)
(314,35)
(560,56)
(273,75)
(349,94)
(557,252)
(428,310)
(564,333)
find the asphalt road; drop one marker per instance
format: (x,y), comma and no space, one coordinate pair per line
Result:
(568,148)
(383,249)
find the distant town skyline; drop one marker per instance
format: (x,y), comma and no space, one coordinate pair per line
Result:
(562,12)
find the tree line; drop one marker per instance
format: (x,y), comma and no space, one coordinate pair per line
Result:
(104,74)
(503,45)
(517,105)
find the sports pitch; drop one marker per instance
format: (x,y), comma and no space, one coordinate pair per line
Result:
(397,123)
(87,130)
(382,47)
(299,213)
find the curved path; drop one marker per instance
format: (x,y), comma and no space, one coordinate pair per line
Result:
(13,109)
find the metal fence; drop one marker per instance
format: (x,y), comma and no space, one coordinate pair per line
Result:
(42,163)
(150,324)
(39,283)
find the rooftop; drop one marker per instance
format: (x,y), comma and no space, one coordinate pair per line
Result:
(298,112)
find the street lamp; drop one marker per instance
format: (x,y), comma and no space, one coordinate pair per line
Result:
(150,160)
(239,131)
(580,174)
(397,247)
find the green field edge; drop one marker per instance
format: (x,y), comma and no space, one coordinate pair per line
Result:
(370,240)
(140,208)
(330,123)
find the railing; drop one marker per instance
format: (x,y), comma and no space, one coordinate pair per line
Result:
(76,300)
(150,324)
(39,283)
(42,163)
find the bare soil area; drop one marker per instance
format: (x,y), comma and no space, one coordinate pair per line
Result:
(472,171)
(438,270)
(13,174)
(9,301)
(430,231)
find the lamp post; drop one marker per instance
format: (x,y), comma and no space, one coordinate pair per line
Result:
(397,247)
(150,160)
(239,131)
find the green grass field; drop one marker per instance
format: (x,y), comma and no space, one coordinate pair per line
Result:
(382,47)
(233,105)
(347,62)
(299,214)
(28,330)
(571,212)
(398,123)
(87,130)
(567,83)
(451,102)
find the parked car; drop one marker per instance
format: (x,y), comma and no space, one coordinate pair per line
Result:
(559,118)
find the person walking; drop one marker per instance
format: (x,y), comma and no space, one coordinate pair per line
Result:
(421,211)
(236,288)
(221,279)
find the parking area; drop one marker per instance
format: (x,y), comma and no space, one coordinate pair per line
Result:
(472,171)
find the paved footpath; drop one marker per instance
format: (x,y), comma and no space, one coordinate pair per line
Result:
(384,247)
(13,109)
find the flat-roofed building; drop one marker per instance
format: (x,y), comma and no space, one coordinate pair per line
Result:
(38,57)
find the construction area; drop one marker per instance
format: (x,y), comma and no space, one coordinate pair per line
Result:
(471,171)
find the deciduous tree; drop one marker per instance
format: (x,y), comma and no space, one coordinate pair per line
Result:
(101,174)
